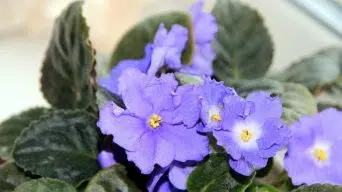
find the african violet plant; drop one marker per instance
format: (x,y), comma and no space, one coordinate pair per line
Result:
(186,106)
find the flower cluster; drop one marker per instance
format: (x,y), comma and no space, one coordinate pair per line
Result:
(164,126)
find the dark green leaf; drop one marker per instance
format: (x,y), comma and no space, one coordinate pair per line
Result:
(111,179)
(61,145)
(319,188)
(321,73)
(286,185)
(45,185)
(214,175)
(68,73)
(296,99)
(11,177)
(82,186)
(330,95)
(318,70)
(11,128)
(104,96)
(244,47)
(132,44)
(6,187)
(262,188)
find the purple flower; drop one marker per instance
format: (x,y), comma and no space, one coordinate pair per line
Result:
(213,93)
(110,154)
(106,159)
(205,29)
(178,175)
(167,187)
(146,129)
(164,185)
(167,48)
(111,83)
(188,101)
(172,178)
(252,130)
(314,152)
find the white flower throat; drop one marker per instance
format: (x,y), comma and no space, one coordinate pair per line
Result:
(214,114)
(246,134)
(320,153)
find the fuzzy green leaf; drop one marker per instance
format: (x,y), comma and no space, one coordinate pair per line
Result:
(68,73)
(11,128)
(244,47)
(319,188)
(262,188)
(111,179)
(45,185)
(330,95)
(320,69)
(11,177)
(214,175)
(61,145)
(321,73)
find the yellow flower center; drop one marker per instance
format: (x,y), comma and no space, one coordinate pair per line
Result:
(246,135)
(216,117)
(320,154)
(155,121)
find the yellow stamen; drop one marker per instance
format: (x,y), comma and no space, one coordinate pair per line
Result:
(216,117)
(246,135)
(155,121)
(320,154)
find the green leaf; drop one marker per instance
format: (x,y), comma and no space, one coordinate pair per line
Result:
(104,96)
(132,44)
(214,175)
(244,47)
(11,128)
(262,188)
(320,69)
(111,179)
(296,99)
(321,73)
(45,185)
(286,185)
(11,177)
(61,145)
(330,96)
(68,73)
(6,187)
(319,188)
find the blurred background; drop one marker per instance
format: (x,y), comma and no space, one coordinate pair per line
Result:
(298,28)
